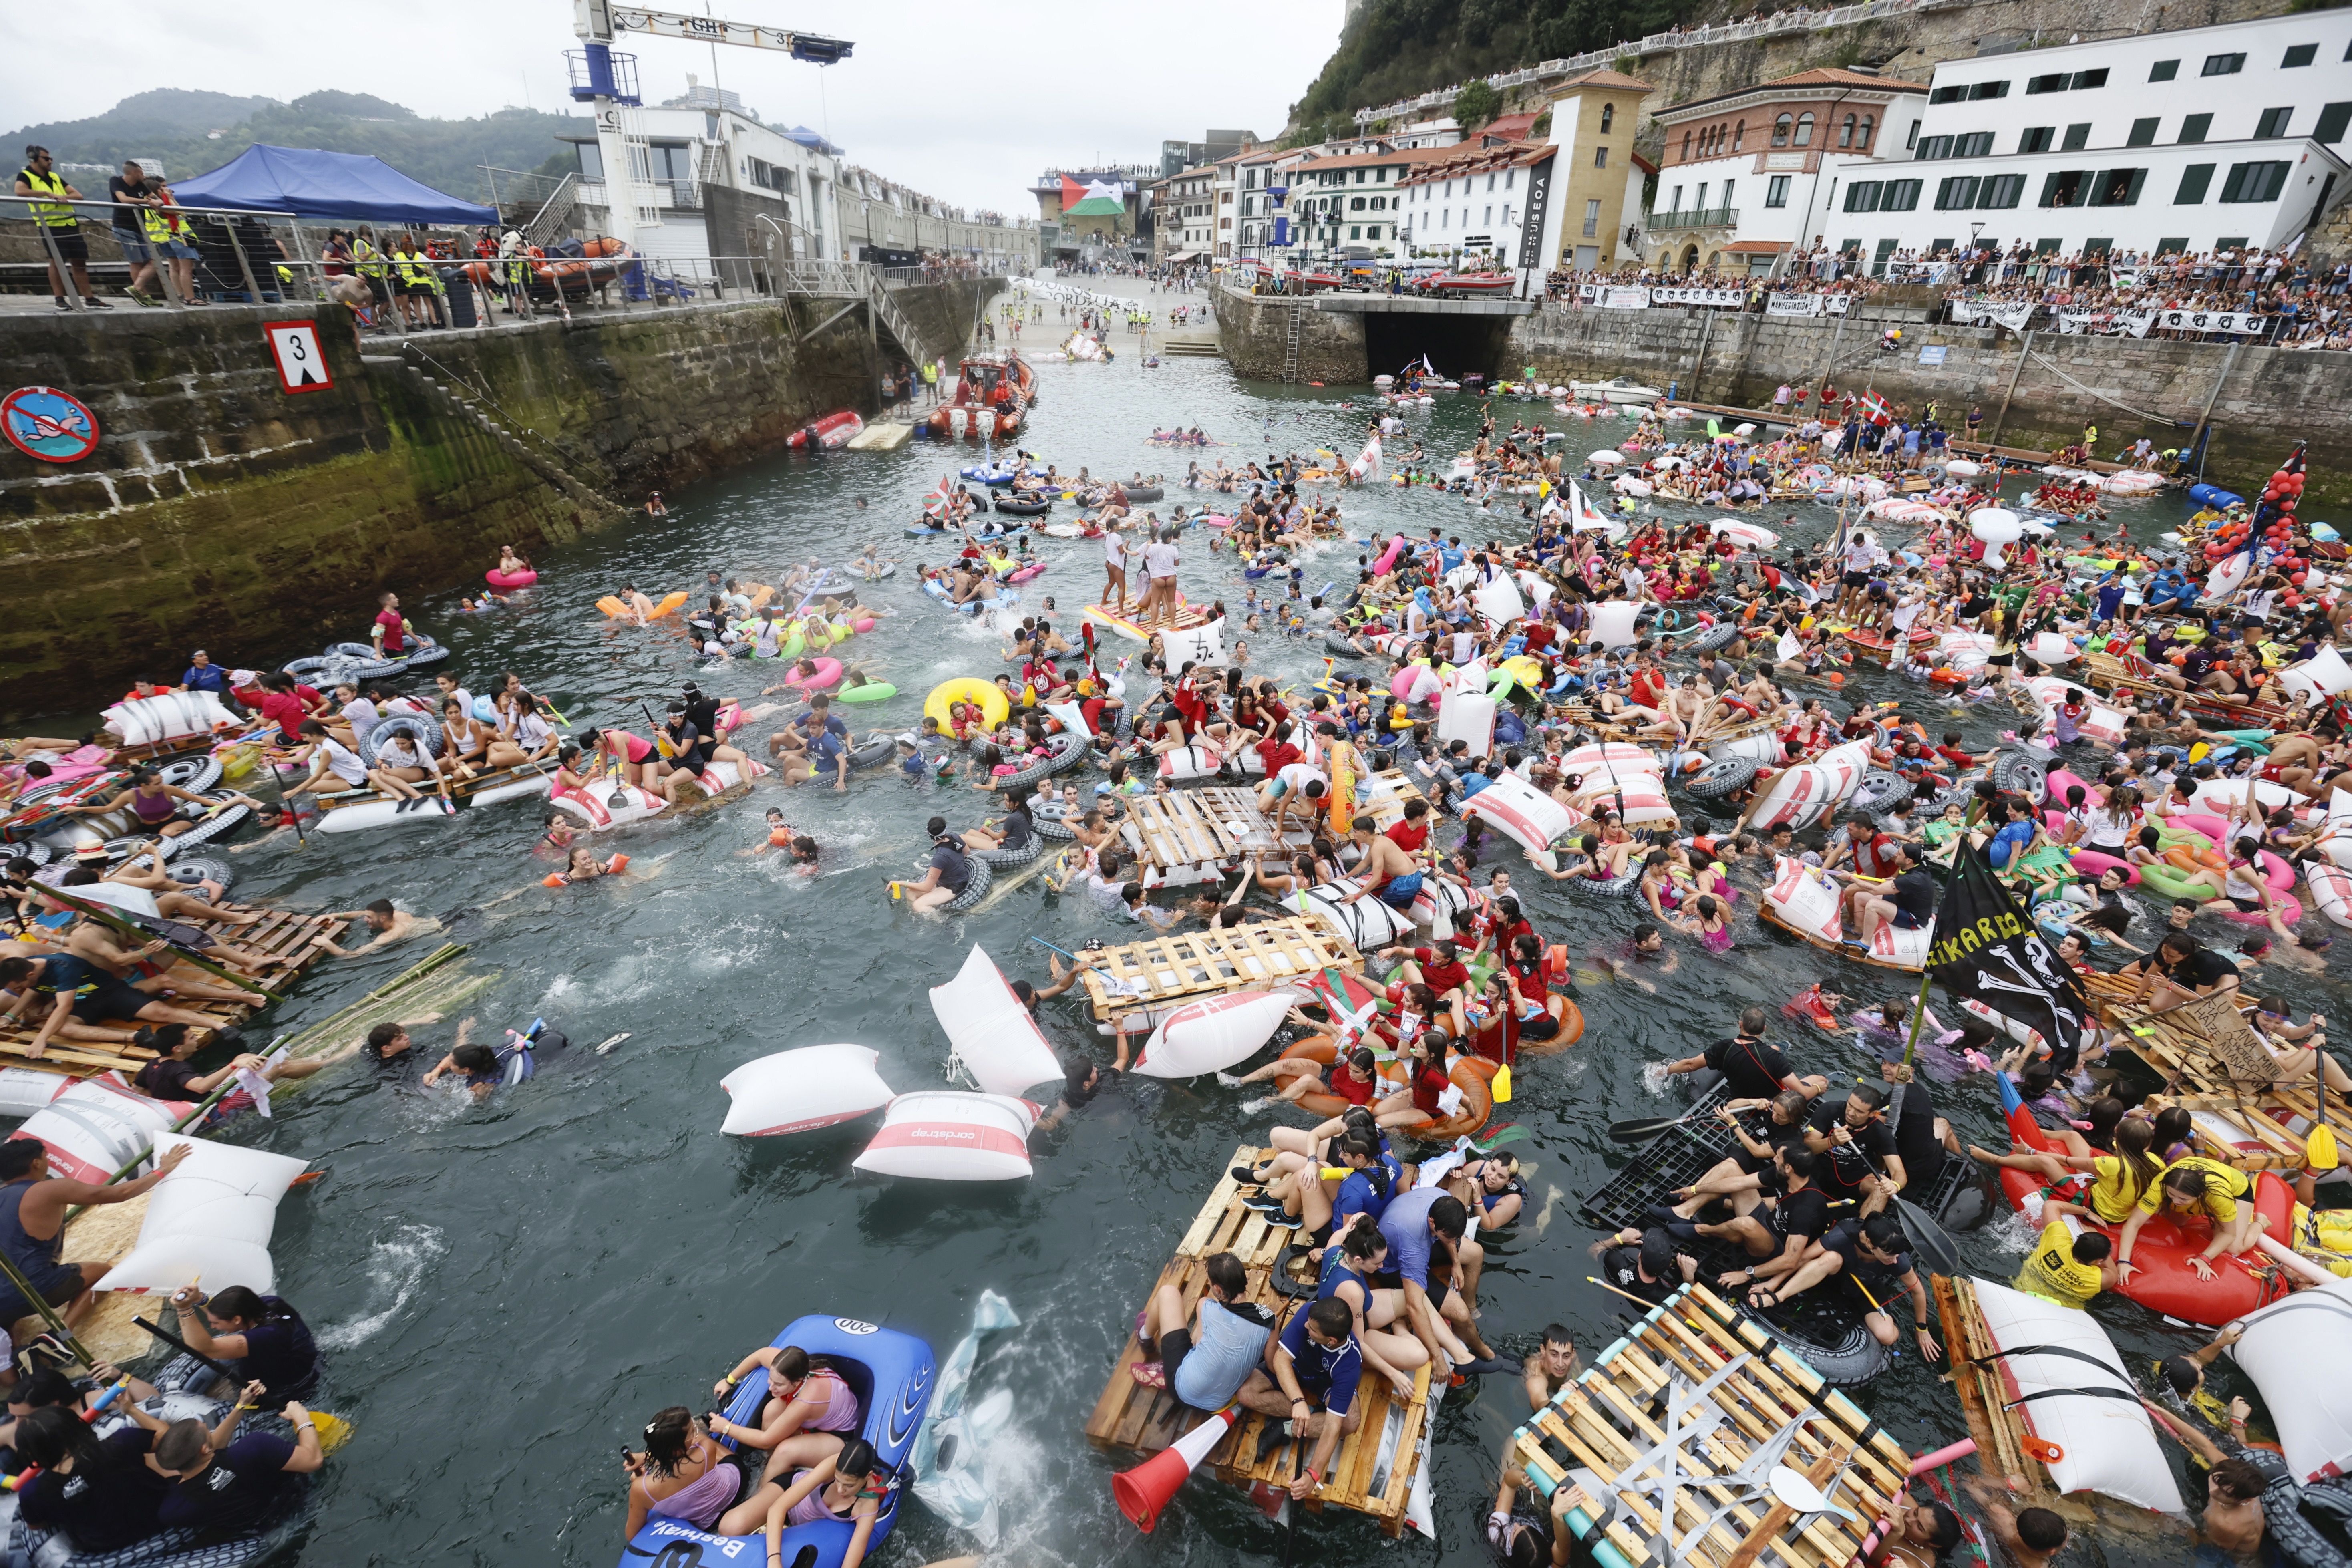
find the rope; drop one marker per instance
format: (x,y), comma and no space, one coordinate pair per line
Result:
(2164,419)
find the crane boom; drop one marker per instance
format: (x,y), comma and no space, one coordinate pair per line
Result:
(715,30)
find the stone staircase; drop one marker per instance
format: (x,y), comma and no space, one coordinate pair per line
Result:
(538,454)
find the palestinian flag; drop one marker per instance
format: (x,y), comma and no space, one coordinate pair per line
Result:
(1098,198)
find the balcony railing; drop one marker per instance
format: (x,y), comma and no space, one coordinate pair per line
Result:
(1697,217)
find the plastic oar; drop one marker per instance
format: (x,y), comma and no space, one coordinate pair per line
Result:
(1634,1131)
(334,1430)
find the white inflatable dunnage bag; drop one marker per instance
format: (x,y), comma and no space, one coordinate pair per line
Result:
(2107,1445)
(1806,901)
(945,1135)
(2285,1349)
(171,716)
(1524,814)
(211,1218)
(23,1090)
(1612,624)
(990,1031)
(1605,760)
(1214,1033)
(97,1127)
(2323,676)
(1498,601)
(1367,924)
(1467,716)
(798,1090)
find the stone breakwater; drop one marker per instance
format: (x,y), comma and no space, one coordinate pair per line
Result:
(220,510)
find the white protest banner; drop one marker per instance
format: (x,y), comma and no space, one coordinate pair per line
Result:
(1620,298)
(2241,322)
(1793,305)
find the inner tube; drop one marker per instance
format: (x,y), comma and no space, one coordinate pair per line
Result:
(1064,751)
(1881,791)
(1716,780)
(1720,634)
(889,569)
(1338,647)
(425,731)
(1146,494)
(207,828)
(193,868)
(498,579)
(1006,859)
(1012,507)
(1846,1358)
(871,691)
(2020,774)
(982,879)
(874,753)
(194,774)
(1611,888)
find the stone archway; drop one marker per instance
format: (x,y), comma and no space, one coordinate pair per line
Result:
(1690,258)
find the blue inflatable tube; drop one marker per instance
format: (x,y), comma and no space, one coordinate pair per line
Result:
(2214,496)
(892,1374)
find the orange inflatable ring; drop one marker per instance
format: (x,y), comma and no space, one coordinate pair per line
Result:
(1318,1103)
(1474,1076)
(1571,1027)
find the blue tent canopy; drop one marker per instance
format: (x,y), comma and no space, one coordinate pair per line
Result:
(325,187)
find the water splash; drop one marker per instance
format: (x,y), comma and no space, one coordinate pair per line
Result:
(1654,1079)
(395,1267)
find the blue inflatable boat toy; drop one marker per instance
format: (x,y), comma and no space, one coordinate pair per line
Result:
(2215,496)
(892,1374)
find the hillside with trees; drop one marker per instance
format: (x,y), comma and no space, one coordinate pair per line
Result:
(194,133)
(1395,48)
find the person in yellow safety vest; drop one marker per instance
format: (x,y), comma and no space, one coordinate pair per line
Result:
(931,379)
(61,228)
(514,262)
(417,282)
(168,240)
(372,267)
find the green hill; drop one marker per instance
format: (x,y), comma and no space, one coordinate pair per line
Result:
(1396,48)
(179,128)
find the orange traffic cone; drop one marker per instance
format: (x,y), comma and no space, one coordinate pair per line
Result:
(1144,1490)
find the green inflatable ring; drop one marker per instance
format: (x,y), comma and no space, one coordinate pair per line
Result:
(871,691)
(2171,882)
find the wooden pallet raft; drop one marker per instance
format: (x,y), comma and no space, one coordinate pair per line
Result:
(1375,1467)
(279,933)
(1675,1432)
(2216,1066)
(1150,977)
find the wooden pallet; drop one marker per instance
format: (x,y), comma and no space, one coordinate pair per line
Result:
(1196,827)
(1754,1403)
(2213,1063)
(1388,792)
(279,933)
(1151,977)
(1132,1417)
(461,790)
(1970,1351)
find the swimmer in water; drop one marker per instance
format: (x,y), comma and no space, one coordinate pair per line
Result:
(584,867)
(641,609)
(560,830)
(777,835)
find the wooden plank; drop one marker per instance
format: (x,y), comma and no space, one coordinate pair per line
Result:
(1166,971)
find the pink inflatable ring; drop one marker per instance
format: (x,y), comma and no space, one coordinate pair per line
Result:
(498,579)
(827,677)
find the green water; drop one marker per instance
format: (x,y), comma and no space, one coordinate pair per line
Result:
(508,1291)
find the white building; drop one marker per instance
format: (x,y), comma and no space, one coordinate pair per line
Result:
(2198,139)
(721,182)
(1745,174)
(1353,203)
(1471,201)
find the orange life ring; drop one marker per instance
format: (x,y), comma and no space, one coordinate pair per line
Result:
(1474,1076)
(1571,1026)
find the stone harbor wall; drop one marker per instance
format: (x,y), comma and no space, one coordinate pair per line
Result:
(220,510)
(2052,386)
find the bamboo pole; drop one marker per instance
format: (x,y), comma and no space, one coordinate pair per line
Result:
(106,914)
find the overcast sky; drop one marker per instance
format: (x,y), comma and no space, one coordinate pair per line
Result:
(966,101)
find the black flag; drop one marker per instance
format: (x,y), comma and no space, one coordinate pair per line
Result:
(1986,951)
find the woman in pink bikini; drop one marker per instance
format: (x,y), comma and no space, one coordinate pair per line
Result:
(807,1417)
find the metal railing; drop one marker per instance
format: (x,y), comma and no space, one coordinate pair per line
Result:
(219,234)
(1697,217)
